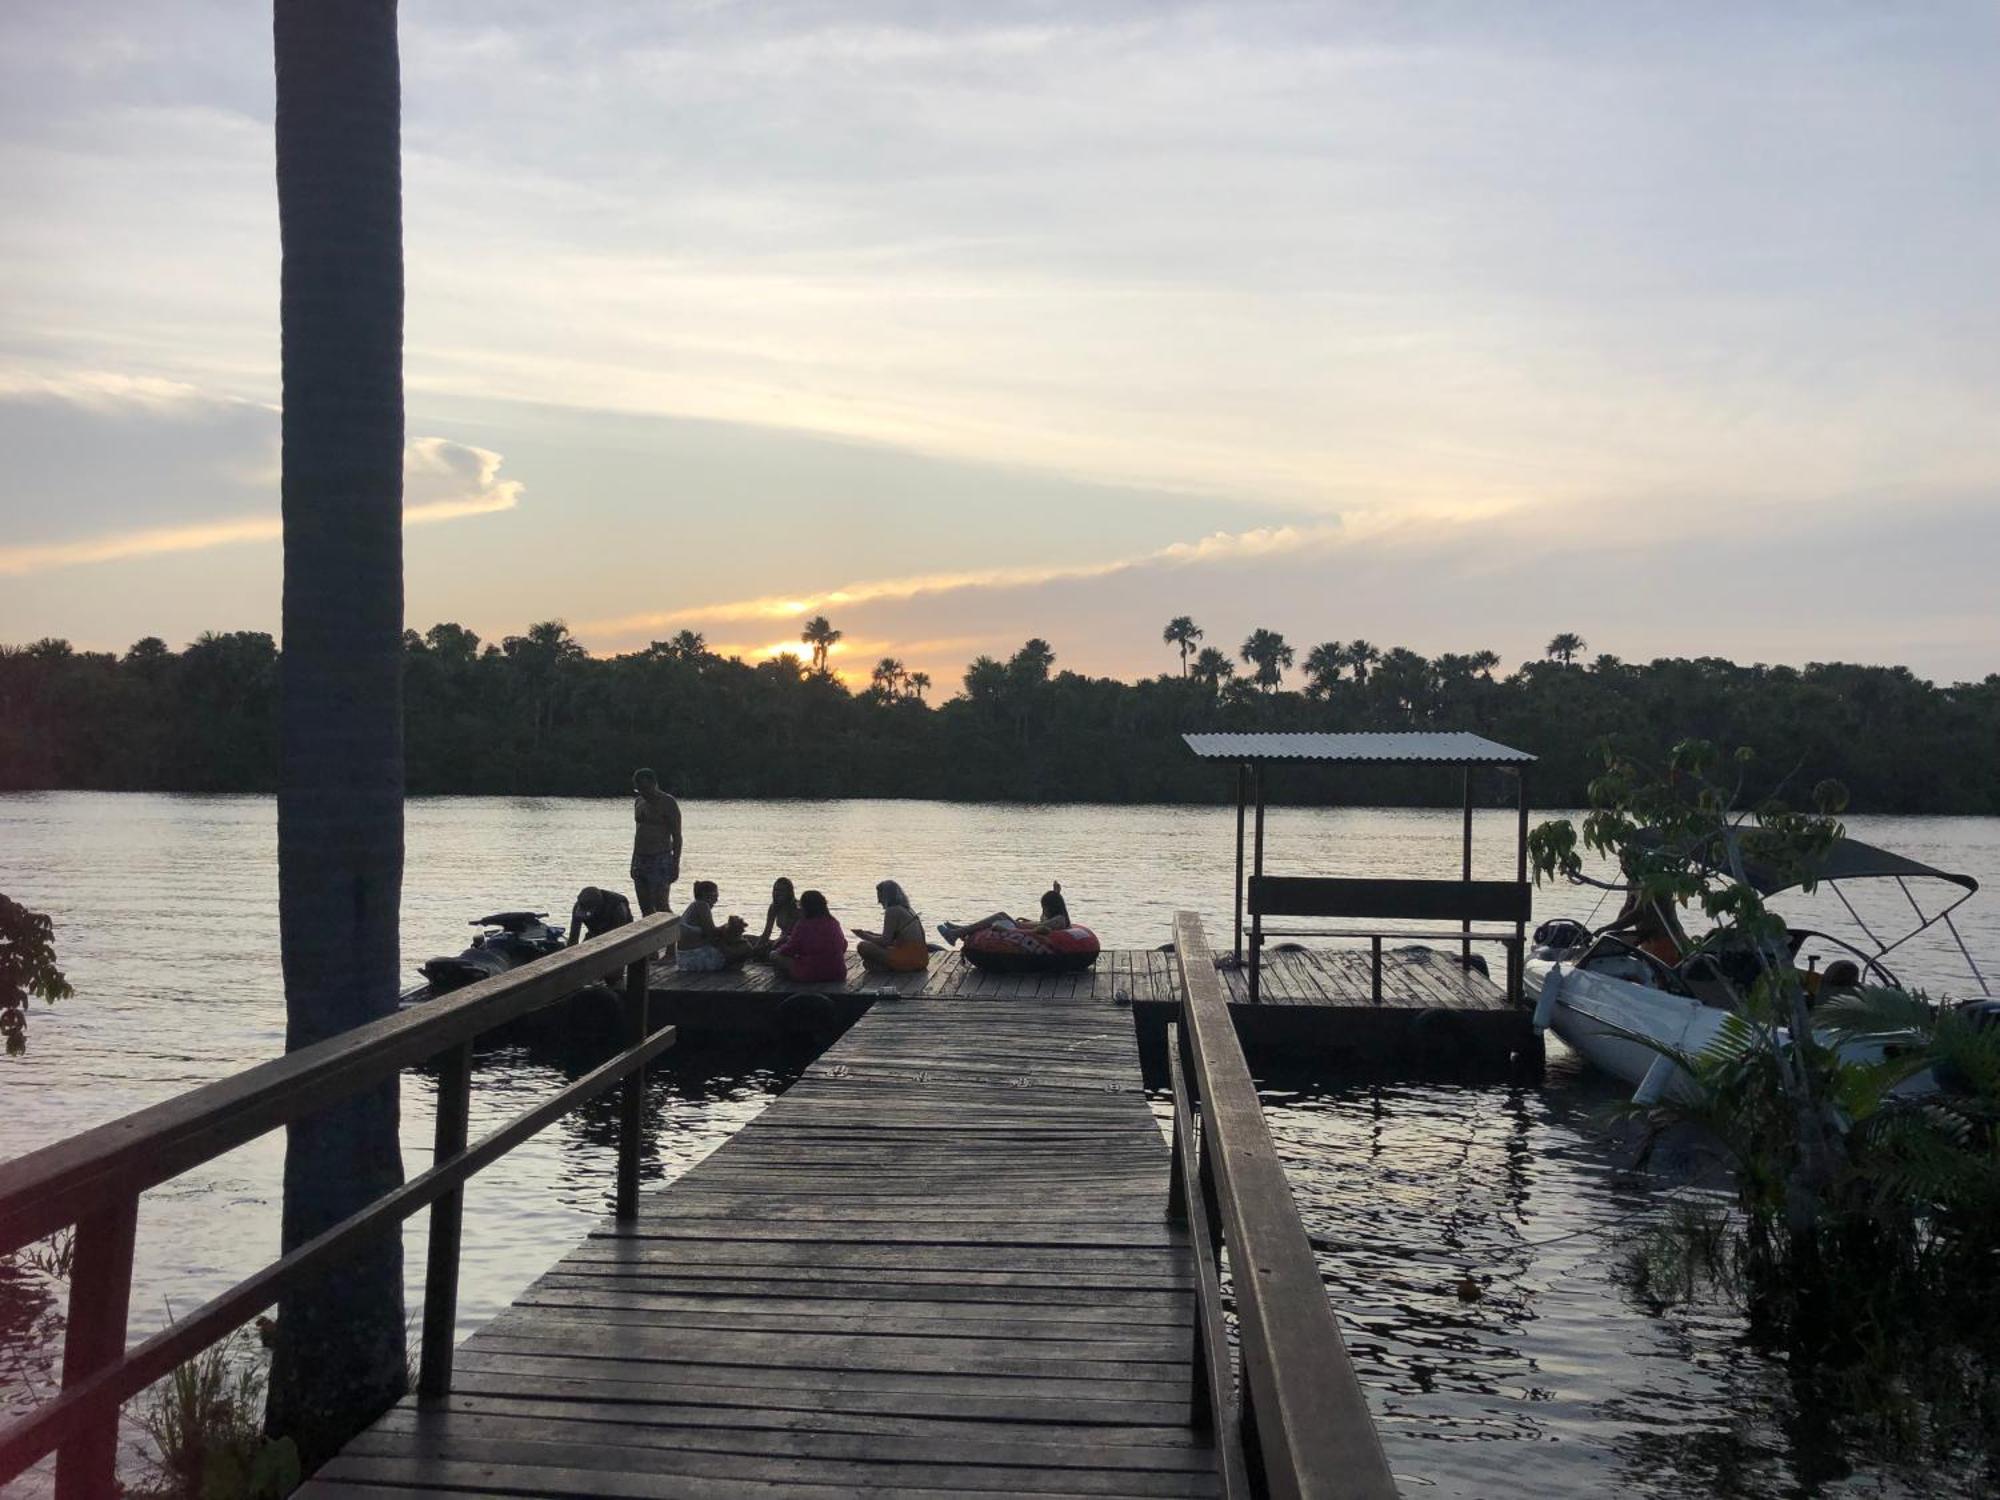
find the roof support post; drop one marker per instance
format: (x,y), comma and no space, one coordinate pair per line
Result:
(1242,789)
(1517,953)
(1465,862)
(1257,872)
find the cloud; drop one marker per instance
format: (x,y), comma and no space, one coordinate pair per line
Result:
(442,481)
(1217,547)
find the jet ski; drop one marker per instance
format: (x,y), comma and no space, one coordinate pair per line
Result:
(510,939)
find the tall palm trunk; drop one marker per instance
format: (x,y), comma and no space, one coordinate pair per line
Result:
(341,1345)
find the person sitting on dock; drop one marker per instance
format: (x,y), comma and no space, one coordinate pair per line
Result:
(1055,914)
(596,912)
(899,948)
(656,843)
(814,949)
(779,918)
(704,947)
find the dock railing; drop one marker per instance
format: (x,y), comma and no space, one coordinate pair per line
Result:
(1296,1422)
(93,1181)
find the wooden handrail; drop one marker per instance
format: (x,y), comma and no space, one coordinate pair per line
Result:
(93,1180)
(52,1188)
(1299,1416)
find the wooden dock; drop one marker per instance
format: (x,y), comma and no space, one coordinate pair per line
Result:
(1318,1006)
(940,1263)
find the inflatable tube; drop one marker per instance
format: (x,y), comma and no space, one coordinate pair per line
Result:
(1016,950)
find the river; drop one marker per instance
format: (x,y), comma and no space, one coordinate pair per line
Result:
(1559,1381)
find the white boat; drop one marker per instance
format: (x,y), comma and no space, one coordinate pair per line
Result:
(1625,1010)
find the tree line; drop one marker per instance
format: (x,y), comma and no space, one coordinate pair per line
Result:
(536,714)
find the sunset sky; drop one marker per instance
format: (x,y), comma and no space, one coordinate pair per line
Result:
(1451,326)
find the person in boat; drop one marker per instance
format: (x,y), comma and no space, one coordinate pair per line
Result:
(656,843)
(779,918)
(706,946)
(1054,917)
(899,948)
(1650,926)
(597,912)
(814,948)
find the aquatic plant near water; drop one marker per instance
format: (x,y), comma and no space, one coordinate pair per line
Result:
(206,1421)
(27,969)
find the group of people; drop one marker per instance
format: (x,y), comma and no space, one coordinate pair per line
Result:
(801,938)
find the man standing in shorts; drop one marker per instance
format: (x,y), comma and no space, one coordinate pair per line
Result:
(656,843)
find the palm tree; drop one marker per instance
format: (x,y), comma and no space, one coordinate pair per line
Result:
(1182,631)
(1212,669)
(1033,661)
(1267,651)
(340,1356)
(1483,662)
(920,683)
(887,678)
(1361,656)
(1566,647)
(1323,666)
(821,636)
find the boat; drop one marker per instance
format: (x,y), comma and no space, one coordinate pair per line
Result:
(1630,1012)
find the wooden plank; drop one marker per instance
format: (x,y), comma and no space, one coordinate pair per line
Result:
(939,1263)
(1312,1423)
(1412,900)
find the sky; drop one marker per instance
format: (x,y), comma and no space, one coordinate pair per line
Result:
(1444,325)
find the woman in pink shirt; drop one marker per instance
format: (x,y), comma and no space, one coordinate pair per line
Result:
(815,951)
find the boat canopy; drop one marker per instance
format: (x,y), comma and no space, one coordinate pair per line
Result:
(1850,859)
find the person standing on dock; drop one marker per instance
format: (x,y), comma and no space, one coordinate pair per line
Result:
(656,843)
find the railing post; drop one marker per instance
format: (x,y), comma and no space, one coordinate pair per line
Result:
(100,1296)
(632,1106)
(454,1102)
(1375,969)
(1177,1205)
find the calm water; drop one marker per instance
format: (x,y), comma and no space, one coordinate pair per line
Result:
(1556,1383)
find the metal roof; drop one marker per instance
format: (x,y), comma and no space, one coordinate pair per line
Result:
(1422,747)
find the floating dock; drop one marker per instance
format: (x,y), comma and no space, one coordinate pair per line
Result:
(1318,1006)
(940,1263)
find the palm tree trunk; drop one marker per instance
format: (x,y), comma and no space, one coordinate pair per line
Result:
(341,1345)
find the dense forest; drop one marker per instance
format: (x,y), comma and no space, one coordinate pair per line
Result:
(536,714)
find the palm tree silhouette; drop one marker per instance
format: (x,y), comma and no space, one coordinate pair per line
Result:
(887,678)
(1323,667)
(1566,647)
(1267,651)
(920,683)
(1182,631)
(821,636)
(1483,662)
(340,1355)
(1361,656)
(1211,668)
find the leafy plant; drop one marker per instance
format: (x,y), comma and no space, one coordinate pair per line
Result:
(27,968)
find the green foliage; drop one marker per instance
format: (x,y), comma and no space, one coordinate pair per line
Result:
(27,969)
(206,1421)
(535,714)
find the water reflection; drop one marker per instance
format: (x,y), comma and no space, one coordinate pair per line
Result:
(1409,1190)
(1556,1381)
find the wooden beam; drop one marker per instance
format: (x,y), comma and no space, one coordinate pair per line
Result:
(1314,1432)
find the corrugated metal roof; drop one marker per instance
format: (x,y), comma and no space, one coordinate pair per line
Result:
(1424,747)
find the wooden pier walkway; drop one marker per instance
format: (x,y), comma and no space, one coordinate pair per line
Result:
(1412,978)
(940,1263)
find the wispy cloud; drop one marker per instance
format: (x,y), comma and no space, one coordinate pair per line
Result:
(1215,548)
(458,480)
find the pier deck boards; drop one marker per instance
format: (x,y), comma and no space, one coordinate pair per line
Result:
(939,1264)
(1429,979)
